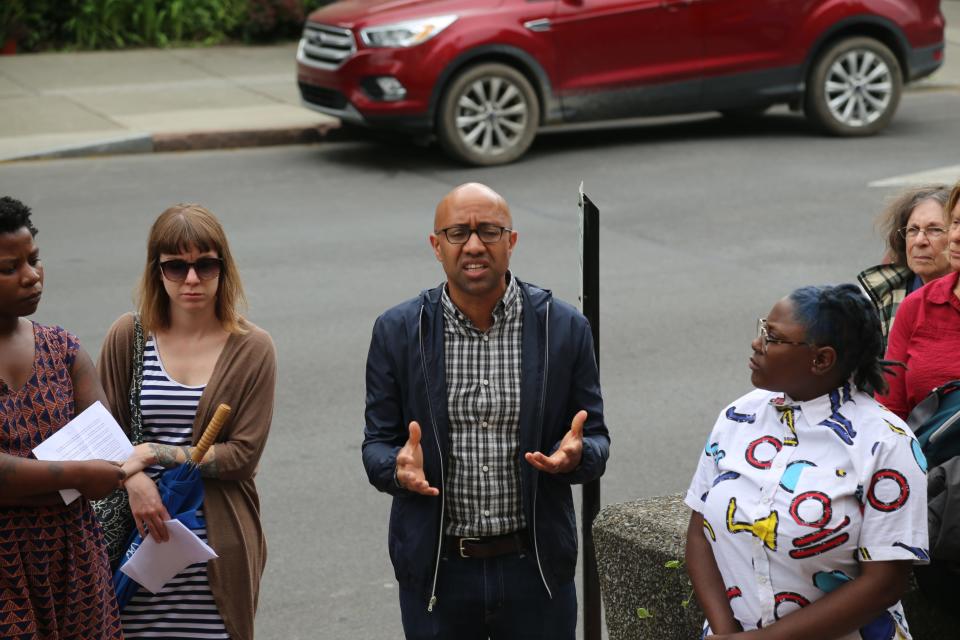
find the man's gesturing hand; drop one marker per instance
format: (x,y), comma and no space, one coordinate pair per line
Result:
(410,474)
(567,457)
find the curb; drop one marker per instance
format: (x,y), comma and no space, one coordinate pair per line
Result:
(930,87)
(207,140)
(133,143)
(192,141)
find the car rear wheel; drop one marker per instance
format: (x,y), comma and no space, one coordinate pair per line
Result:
(488,115)
(854,88)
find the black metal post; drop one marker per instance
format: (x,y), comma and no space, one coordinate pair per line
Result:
(590,306)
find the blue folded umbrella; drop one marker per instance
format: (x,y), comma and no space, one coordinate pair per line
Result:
(181,489)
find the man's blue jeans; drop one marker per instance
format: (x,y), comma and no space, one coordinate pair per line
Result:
(500,598)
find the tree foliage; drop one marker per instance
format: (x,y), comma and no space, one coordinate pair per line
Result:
(113,24)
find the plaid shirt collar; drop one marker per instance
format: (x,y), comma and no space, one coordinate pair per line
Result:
(505,310)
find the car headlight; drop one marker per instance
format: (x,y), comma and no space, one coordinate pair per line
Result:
(409,33)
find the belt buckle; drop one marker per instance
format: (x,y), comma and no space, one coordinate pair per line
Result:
(460,545)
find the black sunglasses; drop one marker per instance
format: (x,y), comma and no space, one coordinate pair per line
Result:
(206,268)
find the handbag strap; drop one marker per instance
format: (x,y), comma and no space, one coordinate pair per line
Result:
(929,407)
(136,383)
(947,387)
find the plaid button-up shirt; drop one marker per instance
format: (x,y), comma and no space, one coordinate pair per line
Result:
(483,403)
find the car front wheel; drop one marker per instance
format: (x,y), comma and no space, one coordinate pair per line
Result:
(854,88)
(488,115)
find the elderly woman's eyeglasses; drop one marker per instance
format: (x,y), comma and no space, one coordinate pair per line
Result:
(206,268)
(765,338)
(460,233)
(913,232)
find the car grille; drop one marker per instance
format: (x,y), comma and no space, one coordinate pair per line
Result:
(323,97)
(326,46)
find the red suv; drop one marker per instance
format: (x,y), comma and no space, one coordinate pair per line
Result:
(482,76)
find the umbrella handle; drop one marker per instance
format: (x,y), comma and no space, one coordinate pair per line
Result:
(210,433)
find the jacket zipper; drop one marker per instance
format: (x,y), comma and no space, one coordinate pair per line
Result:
(443,499)
(543,397)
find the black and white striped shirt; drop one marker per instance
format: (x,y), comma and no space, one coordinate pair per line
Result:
(483,403)
(185,607)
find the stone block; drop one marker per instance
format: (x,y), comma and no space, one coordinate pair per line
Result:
(634,542)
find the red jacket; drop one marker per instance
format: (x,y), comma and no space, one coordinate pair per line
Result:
(926,338)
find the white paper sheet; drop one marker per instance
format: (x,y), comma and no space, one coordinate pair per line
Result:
(92,435)
(154,563)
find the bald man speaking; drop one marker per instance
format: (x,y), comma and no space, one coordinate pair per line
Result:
(483,407)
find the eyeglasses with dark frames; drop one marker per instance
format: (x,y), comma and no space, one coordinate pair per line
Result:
(460,233)
(913,232)
(765,338)
(206,268)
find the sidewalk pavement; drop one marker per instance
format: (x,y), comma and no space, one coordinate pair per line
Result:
(68,104)
(73,104)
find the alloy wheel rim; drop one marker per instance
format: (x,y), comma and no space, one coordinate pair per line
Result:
(858,88)
(491,115)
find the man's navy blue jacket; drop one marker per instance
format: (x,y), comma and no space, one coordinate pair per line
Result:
(406,382)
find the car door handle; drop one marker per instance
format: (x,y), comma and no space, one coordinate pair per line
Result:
(543,24)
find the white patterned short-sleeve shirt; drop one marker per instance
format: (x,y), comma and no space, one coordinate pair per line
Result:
(795,495)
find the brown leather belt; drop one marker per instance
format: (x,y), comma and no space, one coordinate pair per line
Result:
(487,547)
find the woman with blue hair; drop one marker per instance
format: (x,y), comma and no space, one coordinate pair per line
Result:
(809,500)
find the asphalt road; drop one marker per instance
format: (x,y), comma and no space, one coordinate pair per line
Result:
(704,227)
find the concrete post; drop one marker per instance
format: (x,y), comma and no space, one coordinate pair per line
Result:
(642,597)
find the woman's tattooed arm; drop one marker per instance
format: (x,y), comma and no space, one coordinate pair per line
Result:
(168,456)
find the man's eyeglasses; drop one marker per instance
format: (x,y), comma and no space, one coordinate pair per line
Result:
(206,268)
(765,338)
(913,232)
(460,233)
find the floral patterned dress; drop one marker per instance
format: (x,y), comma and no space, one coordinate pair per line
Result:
(54,579)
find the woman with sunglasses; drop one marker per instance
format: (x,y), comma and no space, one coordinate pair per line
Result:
(56,582)
(198,352)
(809,500)
(915,226)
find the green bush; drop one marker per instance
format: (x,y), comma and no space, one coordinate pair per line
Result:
(277,19)
(35,24)
(10,17)
(112,24)
(104,24)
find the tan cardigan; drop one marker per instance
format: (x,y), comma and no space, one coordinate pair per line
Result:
(244,378)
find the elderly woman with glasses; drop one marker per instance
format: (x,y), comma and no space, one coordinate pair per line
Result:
(165,370)
(926,336)
(915,226)
(809,500)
